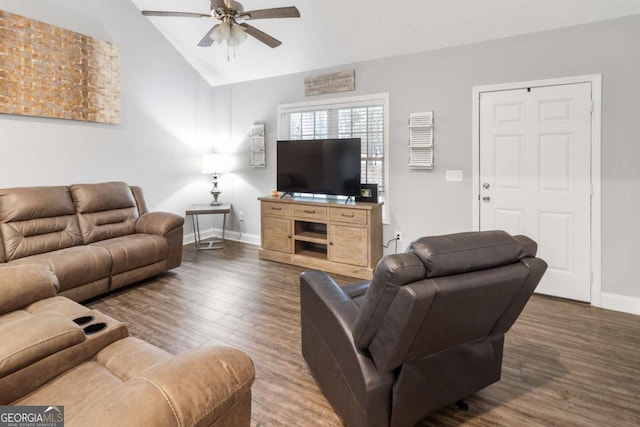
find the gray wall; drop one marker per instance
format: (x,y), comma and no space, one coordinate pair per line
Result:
(166,110)
(422,202)
(171,116)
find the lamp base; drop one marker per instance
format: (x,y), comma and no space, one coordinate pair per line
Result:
(215,193)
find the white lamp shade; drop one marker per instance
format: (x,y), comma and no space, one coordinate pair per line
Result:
(215,163)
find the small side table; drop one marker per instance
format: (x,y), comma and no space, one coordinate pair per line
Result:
(195,211)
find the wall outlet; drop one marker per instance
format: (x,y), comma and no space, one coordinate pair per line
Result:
(398,235)
(241,215)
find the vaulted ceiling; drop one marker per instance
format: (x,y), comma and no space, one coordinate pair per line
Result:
(335,32)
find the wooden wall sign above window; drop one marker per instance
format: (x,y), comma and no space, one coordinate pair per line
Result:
(47,71)
(342,81)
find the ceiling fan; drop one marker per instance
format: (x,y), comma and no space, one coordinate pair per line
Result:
(232,27)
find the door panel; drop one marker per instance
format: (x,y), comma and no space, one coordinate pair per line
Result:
(556,152)
(509,162)
(555,240)
(276,234)
(348,244)
(535,177)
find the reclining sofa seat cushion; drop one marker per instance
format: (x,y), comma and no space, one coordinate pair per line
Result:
(81,270)
(39,225)
(107,214)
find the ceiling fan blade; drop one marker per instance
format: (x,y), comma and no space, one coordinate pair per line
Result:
(180,14)
(207,40)
(260,35)
(276,12)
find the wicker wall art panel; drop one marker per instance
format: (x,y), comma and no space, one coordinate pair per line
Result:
(47,71)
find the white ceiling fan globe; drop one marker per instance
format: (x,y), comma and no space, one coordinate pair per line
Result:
(237,36)
(221,32)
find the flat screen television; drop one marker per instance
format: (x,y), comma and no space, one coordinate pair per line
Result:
(319,166)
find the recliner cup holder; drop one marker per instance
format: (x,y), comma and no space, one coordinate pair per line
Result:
(83,320)
(94,328)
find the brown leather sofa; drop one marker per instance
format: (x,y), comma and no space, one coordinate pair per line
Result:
(426,331)
(94,237)
(56,352)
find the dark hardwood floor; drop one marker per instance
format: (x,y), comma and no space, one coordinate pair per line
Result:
(565,363)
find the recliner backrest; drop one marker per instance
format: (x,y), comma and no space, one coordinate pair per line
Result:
(474,286)
(35,220)
(105,210)
(391,273)
(463,252)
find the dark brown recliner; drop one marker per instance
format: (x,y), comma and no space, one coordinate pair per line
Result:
(425,332)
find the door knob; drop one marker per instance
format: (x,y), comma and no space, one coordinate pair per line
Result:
(486,198)
(486,186)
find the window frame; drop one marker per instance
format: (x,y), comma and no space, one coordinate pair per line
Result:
(347,102)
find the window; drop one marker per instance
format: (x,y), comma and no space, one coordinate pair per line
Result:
(364,117)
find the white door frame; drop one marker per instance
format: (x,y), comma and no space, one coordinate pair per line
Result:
(596,209)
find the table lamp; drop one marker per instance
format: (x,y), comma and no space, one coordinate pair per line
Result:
(214,165)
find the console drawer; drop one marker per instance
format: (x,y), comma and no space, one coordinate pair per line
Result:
(276,209)
(310,212)
(355,216)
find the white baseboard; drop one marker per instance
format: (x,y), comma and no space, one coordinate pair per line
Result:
(237,236)
(621,303)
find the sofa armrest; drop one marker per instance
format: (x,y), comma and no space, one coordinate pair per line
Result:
(22,285)
(159,223)
(33,338)
(197,388)
(346,375)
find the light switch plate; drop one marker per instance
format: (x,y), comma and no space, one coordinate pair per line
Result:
(453,175)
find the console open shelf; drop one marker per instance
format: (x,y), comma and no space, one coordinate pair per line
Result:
(313,232)
(309,249)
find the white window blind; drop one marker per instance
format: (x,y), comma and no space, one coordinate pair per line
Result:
(358,117)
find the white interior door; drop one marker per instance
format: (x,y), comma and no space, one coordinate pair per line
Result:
(535,177)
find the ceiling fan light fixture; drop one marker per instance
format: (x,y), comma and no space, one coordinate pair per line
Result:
(225,30)
(232,27)
(236,36)
(216,34)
